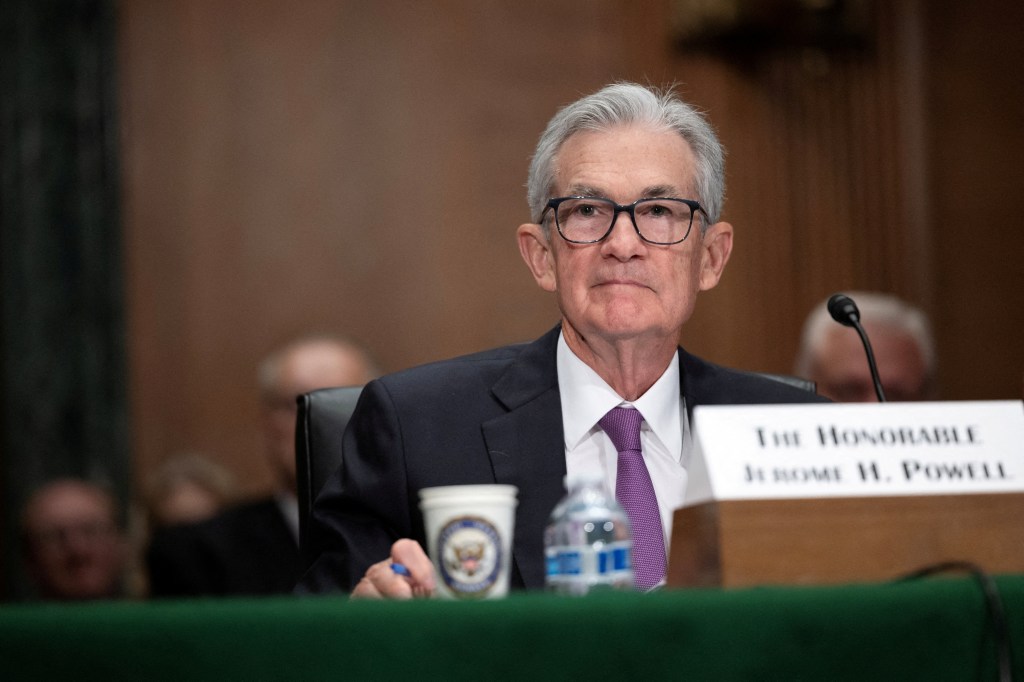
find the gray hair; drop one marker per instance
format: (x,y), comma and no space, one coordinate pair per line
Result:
(623,104)
(875,308)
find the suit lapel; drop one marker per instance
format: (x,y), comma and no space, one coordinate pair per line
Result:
(527,449)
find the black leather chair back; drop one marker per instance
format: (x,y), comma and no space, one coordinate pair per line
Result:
(323,416)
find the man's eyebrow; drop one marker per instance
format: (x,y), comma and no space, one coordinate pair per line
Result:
(667,191)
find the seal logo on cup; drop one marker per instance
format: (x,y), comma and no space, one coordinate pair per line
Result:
(469,531)
(470,553)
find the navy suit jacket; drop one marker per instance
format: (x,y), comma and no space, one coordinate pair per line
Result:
(491,417)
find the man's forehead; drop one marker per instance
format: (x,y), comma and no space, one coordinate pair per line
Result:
(63,500)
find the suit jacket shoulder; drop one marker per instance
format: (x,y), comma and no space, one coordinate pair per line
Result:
(705,383)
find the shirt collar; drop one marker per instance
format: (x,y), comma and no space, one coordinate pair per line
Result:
(586,397)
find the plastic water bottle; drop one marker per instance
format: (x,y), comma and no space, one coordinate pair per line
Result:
(587,543)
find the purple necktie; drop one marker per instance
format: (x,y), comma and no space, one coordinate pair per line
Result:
(635,493)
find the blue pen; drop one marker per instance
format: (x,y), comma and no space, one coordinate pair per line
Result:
(400,569)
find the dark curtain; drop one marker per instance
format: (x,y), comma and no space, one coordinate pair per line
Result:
(61,324)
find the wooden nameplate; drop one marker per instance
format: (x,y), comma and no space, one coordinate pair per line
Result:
(737,543)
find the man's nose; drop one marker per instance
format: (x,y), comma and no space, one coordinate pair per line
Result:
(623,240)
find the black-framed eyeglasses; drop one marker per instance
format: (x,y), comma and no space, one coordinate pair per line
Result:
(588,220)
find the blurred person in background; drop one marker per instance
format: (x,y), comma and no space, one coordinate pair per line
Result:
(833,356)
(74,546)
(252,548)
(185,489)
(188,488)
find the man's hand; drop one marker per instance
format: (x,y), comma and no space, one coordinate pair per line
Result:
(382,582)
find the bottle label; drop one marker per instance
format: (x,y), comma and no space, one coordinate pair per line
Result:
(613,559)
(570,561)
(607,563)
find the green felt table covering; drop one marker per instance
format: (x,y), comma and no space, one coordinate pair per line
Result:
(931,629)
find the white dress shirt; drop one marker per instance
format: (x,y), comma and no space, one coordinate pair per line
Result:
(664,433)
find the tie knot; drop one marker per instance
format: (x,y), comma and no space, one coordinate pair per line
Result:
(622,424)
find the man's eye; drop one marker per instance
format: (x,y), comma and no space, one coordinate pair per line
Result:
(586,210)
(659,211)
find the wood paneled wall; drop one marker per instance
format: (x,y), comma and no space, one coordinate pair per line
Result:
(359,167)
(975,140)
(822,171)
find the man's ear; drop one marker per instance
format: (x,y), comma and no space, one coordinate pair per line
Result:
(716,246)
(536,251)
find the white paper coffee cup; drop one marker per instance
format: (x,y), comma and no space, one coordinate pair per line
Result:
(469,538)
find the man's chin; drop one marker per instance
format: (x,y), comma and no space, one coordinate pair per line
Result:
(626,320)
(625,328)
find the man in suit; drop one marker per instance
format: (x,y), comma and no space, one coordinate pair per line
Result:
(625,189)
(252,548)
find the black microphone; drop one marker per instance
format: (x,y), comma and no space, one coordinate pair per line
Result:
(844,311)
